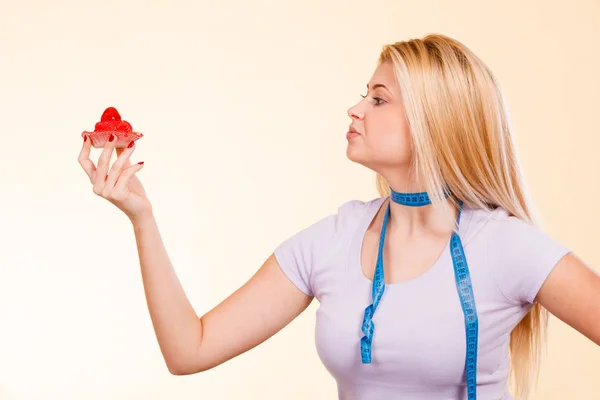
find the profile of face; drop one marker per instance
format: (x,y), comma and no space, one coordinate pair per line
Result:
(378,136)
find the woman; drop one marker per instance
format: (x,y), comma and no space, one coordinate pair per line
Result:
(424,292)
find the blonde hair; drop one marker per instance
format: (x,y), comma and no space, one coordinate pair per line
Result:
(461,141)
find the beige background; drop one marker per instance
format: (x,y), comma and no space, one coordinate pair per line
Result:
(244,109)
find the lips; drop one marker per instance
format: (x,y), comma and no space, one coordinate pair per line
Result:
(352,133)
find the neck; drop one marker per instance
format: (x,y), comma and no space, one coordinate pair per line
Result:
(417,220)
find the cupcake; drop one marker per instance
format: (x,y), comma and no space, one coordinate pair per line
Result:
(111,123)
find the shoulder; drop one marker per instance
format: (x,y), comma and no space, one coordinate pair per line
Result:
(497,224)
(342,222)
(303,252)
(355,211)
(519,253)
(345,219)
(476,224)
(514,236)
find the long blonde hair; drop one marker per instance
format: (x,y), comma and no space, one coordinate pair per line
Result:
(461,141)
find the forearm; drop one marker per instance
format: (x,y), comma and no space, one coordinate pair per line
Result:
(176,325)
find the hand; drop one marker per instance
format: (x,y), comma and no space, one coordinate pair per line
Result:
(119,185)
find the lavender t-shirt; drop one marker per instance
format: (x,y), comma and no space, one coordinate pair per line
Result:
(418,349)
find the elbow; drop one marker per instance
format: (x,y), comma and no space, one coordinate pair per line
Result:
(182,369)
(178,371)
(180,365)
(186,367)
(188,362)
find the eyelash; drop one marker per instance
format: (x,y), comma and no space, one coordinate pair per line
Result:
(378,100)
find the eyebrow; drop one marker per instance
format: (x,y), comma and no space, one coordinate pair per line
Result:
(377,85)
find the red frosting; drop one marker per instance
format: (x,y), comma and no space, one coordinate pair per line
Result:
(111,121)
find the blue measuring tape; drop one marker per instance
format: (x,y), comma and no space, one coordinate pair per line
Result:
(463,286)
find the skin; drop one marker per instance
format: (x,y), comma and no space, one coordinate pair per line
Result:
(248,316)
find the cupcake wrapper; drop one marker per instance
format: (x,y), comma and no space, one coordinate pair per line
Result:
(99,139)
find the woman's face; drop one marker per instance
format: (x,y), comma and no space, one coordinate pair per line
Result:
(378,137)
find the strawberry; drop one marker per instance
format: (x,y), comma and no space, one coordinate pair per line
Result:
(110,114)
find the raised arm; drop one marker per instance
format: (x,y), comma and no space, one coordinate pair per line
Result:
(253,313)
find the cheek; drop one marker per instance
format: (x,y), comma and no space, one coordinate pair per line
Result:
(388,135)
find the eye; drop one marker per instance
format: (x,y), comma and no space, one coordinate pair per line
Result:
(378,100)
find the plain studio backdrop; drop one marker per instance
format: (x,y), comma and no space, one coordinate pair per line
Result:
(243,106)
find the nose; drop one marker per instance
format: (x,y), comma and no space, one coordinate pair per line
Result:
(356,111)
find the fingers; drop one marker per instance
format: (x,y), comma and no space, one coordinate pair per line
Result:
(103,165)
(84,158)
(117,167)
(120,189)
(110,182)
(119,151)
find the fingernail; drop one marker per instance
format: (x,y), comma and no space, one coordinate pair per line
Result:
(84,138)
(141,163)
(111,138)
(130,145)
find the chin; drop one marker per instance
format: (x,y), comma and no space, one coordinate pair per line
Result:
(352,154)
(356,157)
(373,163)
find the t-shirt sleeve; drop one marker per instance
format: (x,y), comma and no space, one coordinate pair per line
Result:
(522,256)
(299,255)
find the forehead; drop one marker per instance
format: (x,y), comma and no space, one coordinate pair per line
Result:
(384,74)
